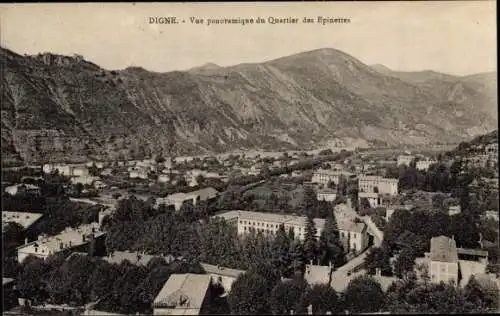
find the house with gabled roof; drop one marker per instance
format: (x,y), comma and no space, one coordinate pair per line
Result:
(183,294)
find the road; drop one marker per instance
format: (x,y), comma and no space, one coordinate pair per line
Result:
(340,279)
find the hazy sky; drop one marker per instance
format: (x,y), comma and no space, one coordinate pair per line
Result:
(452,37)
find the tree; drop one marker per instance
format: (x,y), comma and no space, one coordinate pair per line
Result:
(342,186)
(310,241)
(31,284)
(405,262)
(265,270)
(78,189)
(396,296)
(482,296)
(280,252)
(286,295)
(298,258)
(323,299)
(309,202)
(93,170)
(329,248)
(249,295)
(200,179)
(101,279)
(378,258)
(435,299)
(69,282)
(364,295)
(159,159)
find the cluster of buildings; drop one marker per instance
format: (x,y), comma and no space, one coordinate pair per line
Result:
(447,263)
(483,156)
(70,240)
(370,187)
(421,163)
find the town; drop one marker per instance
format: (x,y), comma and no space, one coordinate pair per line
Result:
(373,230)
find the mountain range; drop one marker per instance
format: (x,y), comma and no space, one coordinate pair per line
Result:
(65,108)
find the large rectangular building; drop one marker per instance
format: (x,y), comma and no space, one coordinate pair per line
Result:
(324,176)
(350,232)
(372,184)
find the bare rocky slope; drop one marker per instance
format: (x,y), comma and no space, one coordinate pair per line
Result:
(66,108)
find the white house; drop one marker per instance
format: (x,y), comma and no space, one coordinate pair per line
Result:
(326,195)
(374,183)
(424,164)
(182,294)
(405,160)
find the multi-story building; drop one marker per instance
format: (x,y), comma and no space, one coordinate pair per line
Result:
(269,223)
(405,160)
(324,176)
(377,184)
(326,195)
(354,233)
(178,199)
(443,260)
(424,164)
(69,240)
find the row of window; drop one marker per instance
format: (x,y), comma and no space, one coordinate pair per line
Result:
(258,224)
(263,230)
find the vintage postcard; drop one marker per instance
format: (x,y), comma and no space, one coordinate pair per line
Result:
(249,158)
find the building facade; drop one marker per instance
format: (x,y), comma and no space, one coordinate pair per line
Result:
(324,176)
(383,185)
(405,160)
(326,195)
(443,260)
(183,294)
(350,232)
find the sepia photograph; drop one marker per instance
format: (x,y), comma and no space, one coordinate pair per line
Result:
(251,158)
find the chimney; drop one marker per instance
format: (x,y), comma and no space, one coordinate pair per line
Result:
(377,272)
(25,241)
(311,262)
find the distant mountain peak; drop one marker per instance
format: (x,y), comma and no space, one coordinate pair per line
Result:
(206,67)
(381,68)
